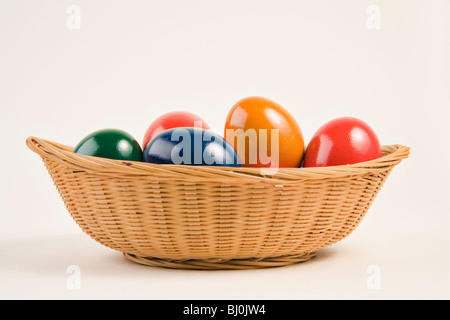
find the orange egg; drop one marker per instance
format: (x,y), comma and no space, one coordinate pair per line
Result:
(264,134)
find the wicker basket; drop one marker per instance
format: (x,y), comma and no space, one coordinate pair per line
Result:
(203,217)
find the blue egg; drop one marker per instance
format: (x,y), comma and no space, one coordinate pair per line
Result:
(191,146)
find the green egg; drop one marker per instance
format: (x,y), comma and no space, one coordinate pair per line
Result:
(110,143)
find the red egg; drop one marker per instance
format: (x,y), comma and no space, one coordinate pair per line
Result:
(342,141)
(170,120)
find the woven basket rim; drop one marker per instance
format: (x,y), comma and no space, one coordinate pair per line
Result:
(62,154)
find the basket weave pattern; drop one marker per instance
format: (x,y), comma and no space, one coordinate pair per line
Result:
(214,217)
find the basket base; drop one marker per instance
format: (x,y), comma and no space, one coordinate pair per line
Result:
(216,264)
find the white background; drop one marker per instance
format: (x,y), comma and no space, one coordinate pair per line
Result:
(134,60)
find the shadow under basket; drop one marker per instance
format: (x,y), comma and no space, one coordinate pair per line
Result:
(206,217)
